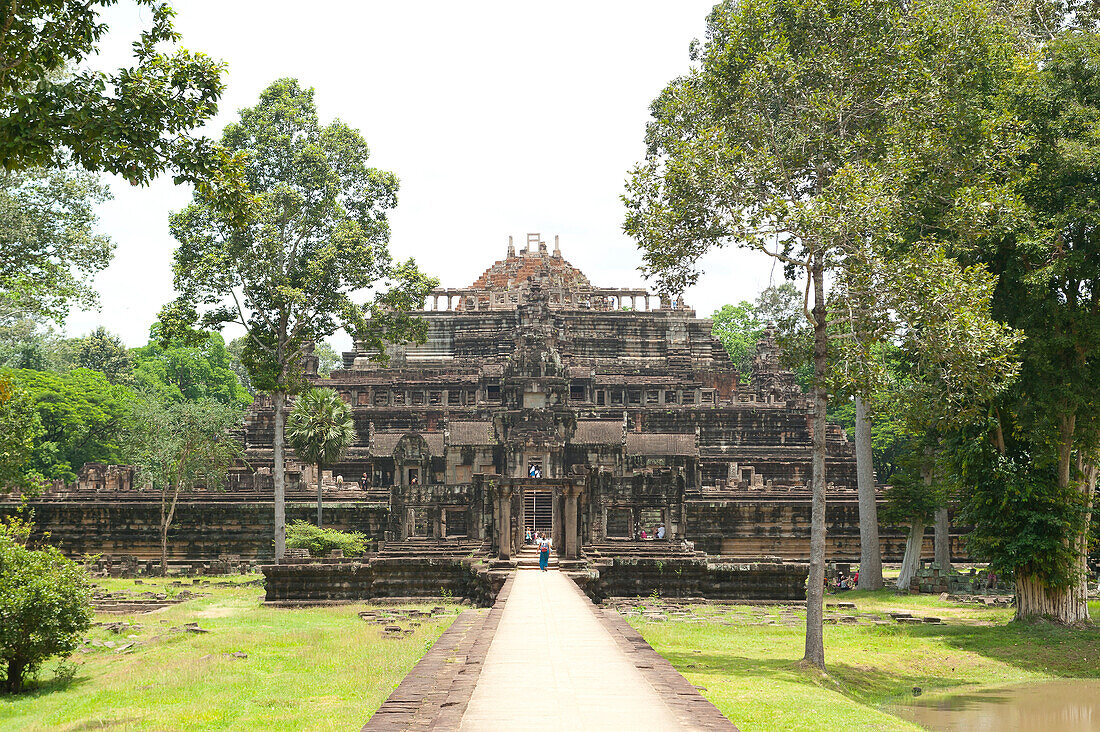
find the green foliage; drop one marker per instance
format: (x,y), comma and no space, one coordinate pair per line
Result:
(910,499)
(320,427)
(304,535)
(328,359)
(1022,522)
(1027,470)
(182,370)
(738,327)
(28,342)
(317,233)
(235,348)
(891,440)
(103,352)
(49,252)
(779,307)
(45,606)
(134,122)
(83,417)
(20,428)
(179,445)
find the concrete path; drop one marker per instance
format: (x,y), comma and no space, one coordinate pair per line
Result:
(553,665)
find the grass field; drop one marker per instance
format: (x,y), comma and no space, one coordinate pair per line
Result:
(316,669)
(746,659)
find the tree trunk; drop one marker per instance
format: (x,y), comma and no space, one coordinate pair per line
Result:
(1036,599)
(163,532)
(942,540)
(911,561)
(164,549)
(279,400)
(13,684)
(815,589)
(319,481)
(870,552)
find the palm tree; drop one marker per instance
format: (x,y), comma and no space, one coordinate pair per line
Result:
(320,428)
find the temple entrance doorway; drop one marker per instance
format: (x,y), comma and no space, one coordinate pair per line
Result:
(538,511)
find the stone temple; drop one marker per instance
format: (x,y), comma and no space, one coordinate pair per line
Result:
(539,401)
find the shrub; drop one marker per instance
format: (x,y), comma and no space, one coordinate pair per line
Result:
(45,606)
(304,535)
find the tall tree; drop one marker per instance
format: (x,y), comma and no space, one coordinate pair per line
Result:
(1030,471)
(288,268)
(103,351)
(178,446)
(320,429)
(785,139)
(49,250)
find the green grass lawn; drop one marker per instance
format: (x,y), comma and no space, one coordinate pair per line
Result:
(317,669)
(746,659)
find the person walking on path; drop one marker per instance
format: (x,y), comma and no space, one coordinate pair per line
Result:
(544,552)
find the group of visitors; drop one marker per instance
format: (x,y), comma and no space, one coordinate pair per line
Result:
(845,582)
(658,533)
(543,542)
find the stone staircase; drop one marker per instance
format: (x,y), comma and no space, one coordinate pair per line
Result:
(528,558)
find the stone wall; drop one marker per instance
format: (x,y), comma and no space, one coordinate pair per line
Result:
(203,529)
(307,582)
(693,577)
(780,526)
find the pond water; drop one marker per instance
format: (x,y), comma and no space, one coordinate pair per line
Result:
(1049,706)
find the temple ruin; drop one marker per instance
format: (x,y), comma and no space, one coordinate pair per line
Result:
(538,401)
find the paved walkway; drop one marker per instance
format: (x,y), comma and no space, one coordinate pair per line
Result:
(553,665)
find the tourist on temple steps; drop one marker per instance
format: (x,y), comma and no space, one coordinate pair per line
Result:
(544,552)
(527,537)
(661,531)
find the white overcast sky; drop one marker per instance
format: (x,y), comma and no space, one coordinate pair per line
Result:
(499,119)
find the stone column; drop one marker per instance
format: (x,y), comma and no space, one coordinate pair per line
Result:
(571,495)
(504,533)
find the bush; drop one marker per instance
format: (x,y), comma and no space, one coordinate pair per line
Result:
(304,535)
(45,606)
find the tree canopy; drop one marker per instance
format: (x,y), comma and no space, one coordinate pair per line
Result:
(135,122)
(104,352)
(738,328)
(188,370)
(20,430)
(49,250)
(82,416)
